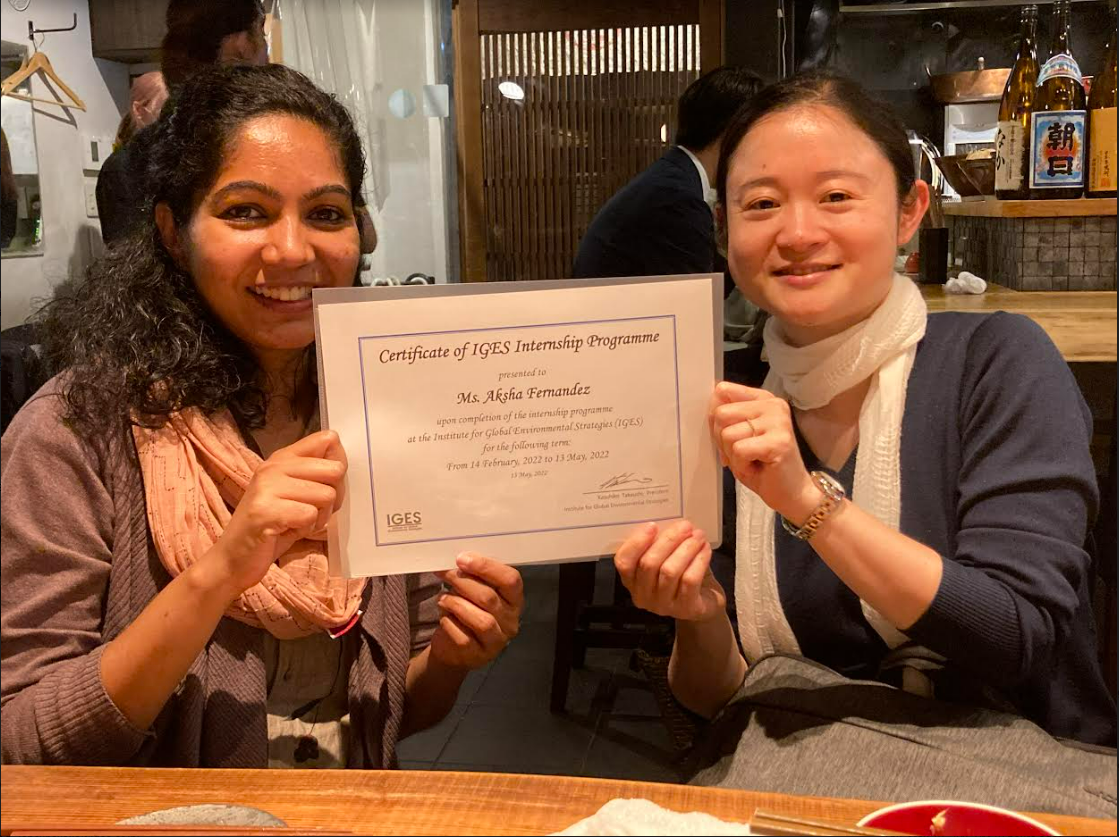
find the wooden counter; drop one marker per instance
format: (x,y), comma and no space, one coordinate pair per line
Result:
(1081,323)
(994,208)
(392,802)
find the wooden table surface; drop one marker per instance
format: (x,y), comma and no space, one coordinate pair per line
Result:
(391,802)
(1081,323)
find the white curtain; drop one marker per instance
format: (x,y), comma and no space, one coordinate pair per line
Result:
(380,57)
(334,43)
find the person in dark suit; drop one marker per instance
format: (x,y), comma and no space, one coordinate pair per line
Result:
(661,222)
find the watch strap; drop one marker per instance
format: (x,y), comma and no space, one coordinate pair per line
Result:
(834,495)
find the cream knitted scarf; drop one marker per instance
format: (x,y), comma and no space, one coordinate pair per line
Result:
(882,348)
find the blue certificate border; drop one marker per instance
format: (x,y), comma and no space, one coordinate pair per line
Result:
(369,448)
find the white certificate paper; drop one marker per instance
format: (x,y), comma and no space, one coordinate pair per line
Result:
(527,421)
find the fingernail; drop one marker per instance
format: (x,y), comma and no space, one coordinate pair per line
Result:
(464,559)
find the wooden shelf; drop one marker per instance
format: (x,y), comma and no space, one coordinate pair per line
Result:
(939,6)
(995,208)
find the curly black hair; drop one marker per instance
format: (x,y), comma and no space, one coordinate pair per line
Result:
(135,338)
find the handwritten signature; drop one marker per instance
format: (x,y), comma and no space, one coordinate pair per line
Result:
(629,478)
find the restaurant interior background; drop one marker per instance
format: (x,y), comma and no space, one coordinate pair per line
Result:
(495,129)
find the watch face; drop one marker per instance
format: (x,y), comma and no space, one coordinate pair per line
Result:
(830,485)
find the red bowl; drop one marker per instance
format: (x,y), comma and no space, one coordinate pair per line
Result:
(959,818)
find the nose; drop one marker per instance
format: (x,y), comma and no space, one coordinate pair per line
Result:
(801,229)
(288,245)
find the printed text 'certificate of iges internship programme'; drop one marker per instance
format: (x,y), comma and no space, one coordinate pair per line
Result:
(526,421)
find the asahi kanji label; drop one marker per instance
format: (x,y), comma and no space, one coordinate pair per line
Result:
(1057,151)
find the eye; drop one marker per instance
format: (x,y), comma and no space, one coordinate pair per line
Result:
(761,204)
(836,197)
(328,215)
(243,212)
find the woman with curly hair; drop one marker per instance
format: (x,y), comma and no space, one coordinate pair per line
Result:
(166,598)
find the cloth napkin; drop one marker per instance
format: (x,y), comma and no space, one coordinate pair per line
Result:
(966,283)
(640,816)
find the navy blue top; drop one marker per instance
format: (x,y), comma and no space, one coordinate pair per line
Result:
(997,477)
(657,224)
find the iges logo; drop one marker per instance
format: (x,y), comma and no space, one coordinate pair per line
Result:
(405,518)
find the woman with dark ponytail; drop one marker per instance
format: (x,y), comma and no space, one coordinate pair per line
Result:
(913,495)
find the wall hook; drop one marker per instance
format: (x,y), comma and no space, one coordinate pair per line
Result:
(32,31)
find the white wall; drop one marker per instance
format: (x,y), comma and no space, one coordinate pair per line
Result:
(70,239)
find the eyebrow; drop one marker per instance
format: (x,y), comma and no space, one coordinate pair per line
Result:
(264,188)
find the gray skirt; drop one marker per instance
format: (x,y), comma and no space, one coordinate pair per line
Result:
(798,727)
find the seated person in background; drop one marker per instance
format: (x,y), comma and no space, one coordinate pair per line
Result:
(200,34)
(148,95)
(914,492)
(661,222)
(116,203)
(166,599)
(9,194)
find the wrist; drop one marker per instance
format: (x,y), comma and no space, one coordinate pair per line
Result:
(700,622)
(695,630)
(443,670)
(804,502)
(211,579)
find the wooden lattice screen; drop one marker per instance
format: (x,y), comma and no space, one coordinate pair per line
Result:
(568,117)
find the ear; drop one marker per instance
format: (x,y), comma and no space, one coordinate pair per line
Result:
(169,231)
(236,48)
(721,229)
(367,233)
(912,210)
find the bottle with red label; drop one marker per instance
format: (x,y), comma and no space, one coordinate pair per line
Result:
(1059,123)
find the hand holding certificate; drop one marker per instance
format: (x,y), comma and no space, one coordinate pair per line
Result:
(526,421)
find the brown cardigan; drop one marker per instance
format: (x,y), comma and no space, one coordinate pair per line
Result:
(78,566)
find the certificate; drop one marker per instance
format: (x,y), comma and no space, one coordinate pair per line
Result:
(527,421)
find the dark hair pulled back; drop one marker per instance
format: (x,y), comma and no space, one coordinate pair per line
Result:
(874,118)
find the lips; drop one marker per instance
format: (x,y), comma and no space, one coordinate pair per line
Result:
(806,269)
(805,275)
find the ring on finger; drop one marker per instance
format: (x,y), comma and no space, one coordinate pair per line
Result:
(753,429)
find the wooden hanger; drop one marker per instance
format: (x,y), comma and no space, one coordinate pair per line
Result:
(39,63)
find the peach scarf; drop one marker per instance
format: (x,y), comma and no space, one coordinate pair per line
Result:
(196,469)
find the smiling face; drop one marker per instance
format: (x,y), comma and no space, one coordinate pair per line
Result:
(277,222)
(813,220)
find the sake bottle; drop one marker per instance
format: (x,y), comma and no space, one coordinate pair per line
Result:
(1101,127)
(1058,125)
(1012,143)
